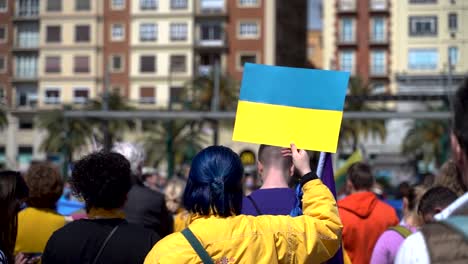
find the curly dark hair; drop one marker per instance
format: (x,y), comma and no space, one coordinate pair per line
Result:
(45,185)
(102,179)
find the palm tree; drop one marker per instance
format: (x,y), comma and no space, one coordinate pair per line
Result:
(111,130)
(201,91)
(352,130)
(3,117)
(63,135)
(426,138)
(187,140)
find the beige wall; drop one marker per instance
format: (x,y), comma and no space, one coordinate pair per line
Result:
(161,92)
(402,42)
(329,19)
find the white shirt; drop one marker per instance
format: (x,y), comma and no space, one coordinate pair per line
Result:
(414,249)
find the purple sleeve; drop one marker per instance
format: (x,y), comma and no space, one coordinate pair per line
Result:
(386,248)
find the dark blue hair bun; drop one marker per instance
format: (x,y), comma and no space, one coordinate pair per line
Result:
(215,182)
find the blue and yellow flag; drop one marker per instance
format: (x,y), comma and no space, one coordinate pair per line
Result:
(281,105)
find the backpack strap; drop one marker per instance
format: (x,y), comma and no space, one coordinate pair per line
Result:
(459,224)
(197,246)
(254,205)
(104,244)
(403,231)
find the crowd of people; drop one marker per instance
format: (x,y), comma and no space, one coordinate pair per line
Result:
(213,213)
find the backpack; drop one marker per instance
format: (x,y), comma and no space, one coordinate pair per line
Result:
(403,231)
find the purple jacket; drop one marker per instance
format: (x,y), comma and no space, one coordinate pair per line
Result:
(387,246)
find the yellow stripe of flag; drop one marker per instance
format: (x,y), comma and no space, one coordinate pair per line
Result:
(282,125)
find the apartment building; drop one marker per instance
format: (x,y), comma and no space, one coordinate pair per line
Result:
(315,48)
(429,46)
(357,39)
(56,52)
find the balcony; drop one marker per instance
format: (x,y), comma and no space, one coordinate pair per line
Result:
(378,6)
(26,97)
(211,44)
(204,70)
(347,6)
(211,8)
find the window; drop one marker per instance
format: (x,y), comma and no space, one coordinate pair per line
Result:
(178,63)
(423,1)
(117,32)
(148,63)
(244,3)
(147,95)
(178,4)
(2,94)
(53,34)
(82,33)
(3,62)
(52,96)
(212,5)
(378,62)
(26,66)
(347,5)
(116,62)
(81,64)
(178,31)
(245,58)
(82,5)
(3,5)
(148,32)
(347,30)
(453,21)
(423,26)
(248,30)
(25,123)
(118,4)
(80,95)
(347,61)
(423,59)
(211,32)
(3,33)
(53,64)
(27,8)
(54,5)
(27,35)
(378,4)
(177,95)
(148,4)
(378,29)
(453,55)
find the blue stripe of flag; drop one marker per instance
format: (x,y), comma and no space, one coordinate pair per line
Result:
(295,87)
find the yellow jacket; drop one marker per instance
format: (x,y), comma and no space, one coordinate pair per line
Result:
(35,227)
(311,238)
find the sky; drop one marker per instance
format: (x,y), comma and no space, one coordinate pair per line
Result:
(315,20)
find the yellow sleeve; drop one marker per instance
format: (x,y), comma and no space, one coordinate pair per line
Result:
(313,237)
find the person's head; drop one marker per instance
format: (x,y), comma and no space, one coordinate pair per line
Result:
(214,184)
(403,190)
(150,180)
(411,204)
(135,154)
(13,191)
(459,137)
(451,177)
(102,179)
(434,201)
(45,185)
(270,158)
(173,194)
(360,178)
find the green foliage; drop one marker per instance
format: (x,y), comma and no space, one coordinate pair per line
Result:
(3,117)
(352,130)
(187,140)
(425,138)
(63,134)
(201,91)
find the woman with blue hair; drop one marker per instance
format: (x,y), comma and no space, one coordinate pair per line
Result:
(219,234)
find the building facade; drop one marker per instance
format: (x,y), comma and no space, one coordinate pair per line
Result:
(357,39)
(315,48)
(57,52)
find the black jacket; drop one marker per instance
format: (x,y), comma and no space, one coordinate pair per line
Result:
(148,208)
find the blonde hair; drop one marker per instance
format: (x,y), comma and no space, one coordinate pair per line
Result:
(173,193)
(450,177)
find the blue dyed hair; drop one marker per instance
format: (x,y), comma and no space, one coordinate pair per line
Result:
(214,184)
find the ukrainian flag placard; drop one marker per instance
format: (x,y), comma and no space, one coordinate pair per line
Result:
(281,105)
